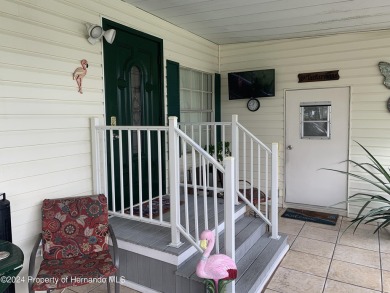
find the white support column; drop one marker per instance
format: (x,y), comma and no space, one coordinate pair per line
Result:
(95,156)
(173,182)
(230,192)
(275,193)
(235,152)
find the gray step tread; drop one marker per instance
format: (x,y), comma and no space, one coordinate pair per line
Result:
(253,269)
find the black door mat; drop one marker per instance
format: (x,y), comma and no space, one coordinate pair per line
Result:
(311,216)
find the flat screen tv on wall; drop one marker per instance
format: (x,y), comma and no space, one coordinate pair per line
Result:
(251,84)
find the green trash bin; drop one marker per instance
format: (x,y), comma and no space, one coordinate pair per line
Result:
(11,265)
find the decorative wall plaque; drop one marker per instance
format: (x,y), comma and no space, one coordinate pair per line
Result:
(319,76)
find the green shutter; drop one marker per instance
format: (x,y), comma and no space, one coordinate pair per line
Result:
(173,89)
(217,102)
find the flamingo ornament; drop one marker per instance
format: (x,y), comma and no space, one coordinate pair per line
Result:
(216,267)
(79,74)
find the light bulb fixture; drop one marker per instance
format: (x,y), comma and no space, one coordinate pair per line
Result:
(96,32)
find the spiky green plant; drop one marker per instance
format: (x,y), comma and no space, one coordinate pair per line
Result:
(374,171)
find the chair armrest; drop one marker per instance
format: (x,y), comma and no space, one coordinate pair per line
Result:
(114,246)
(31,266)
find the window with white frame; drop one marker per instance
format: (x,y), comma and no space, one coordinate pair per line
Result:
(196,96)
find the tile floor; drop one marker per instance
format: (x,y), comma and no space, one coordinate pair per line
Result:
(321,259)
(328,259)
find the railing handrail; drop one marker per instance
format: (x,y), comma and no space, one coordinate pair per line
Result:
(204,123)
(198,148)
(107,127)
(247,132)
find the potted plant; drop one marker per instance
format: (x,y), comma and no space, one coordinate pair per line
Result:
(220,145)
(378,176)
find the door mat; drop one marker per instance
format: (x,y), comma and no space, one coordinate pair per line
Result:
(155,207)
(311,216)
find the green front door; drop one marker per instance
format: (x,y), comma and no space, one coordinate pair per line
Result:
(134,96)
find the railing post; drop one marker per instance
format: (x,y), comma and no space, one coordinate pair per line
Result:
(230,192)
(95,151)
(274,192)
(235,152)
(174,182)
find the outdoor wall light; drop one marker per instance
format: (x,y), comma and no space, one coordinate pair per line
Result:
(96,32)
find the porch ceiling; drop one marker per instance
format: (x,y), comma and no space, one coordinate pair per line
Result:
(238,21)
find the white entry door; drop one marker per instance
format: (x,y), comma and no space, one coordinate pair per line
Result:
(317,136)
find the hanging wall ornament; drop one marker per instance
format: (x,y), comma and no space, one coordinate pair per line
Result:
(79,74)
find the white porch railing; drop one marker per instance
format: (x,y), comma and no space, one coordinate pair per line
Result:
(256,165)
(129,165)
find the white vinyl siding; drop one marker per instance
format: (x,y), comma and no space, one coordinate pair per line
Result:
(355,55)
(45,148)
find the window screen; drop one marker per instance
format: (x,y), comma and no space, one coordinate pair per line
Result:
(315,120)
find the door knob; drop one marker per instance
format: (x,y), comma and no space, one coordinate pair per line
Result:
(115,136)
(290,147)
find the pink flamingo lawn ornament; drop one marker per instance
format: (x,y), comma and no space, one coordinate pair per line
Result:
(216,267)
(79,74)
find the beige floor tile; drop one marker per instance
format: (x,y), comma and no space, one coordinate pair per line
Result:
(384,238)
(386,281)
(355,275)
(349,219)
(311,246)
(362,238)
(270,291)
(338,287)
(286,281)
(346,224)
(385,261)
(319,234)
(306,263)
(291,239)
(327,227)
(289,226)
(358,256)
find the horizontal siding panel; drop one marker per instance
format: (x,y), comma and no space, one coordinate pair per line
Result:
(37,122)
(40,182)
(38,107)
(35,197)
(42,137)
(48,92)
(32,153)
(50,50)
(36,76)
(27,60)
(44,166)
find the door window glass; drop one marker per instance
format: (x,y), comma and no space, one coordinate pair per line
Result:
(315,120)
(136,103)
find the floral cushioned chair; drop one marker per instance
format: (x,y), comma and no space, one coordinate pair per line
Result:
(74,237)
